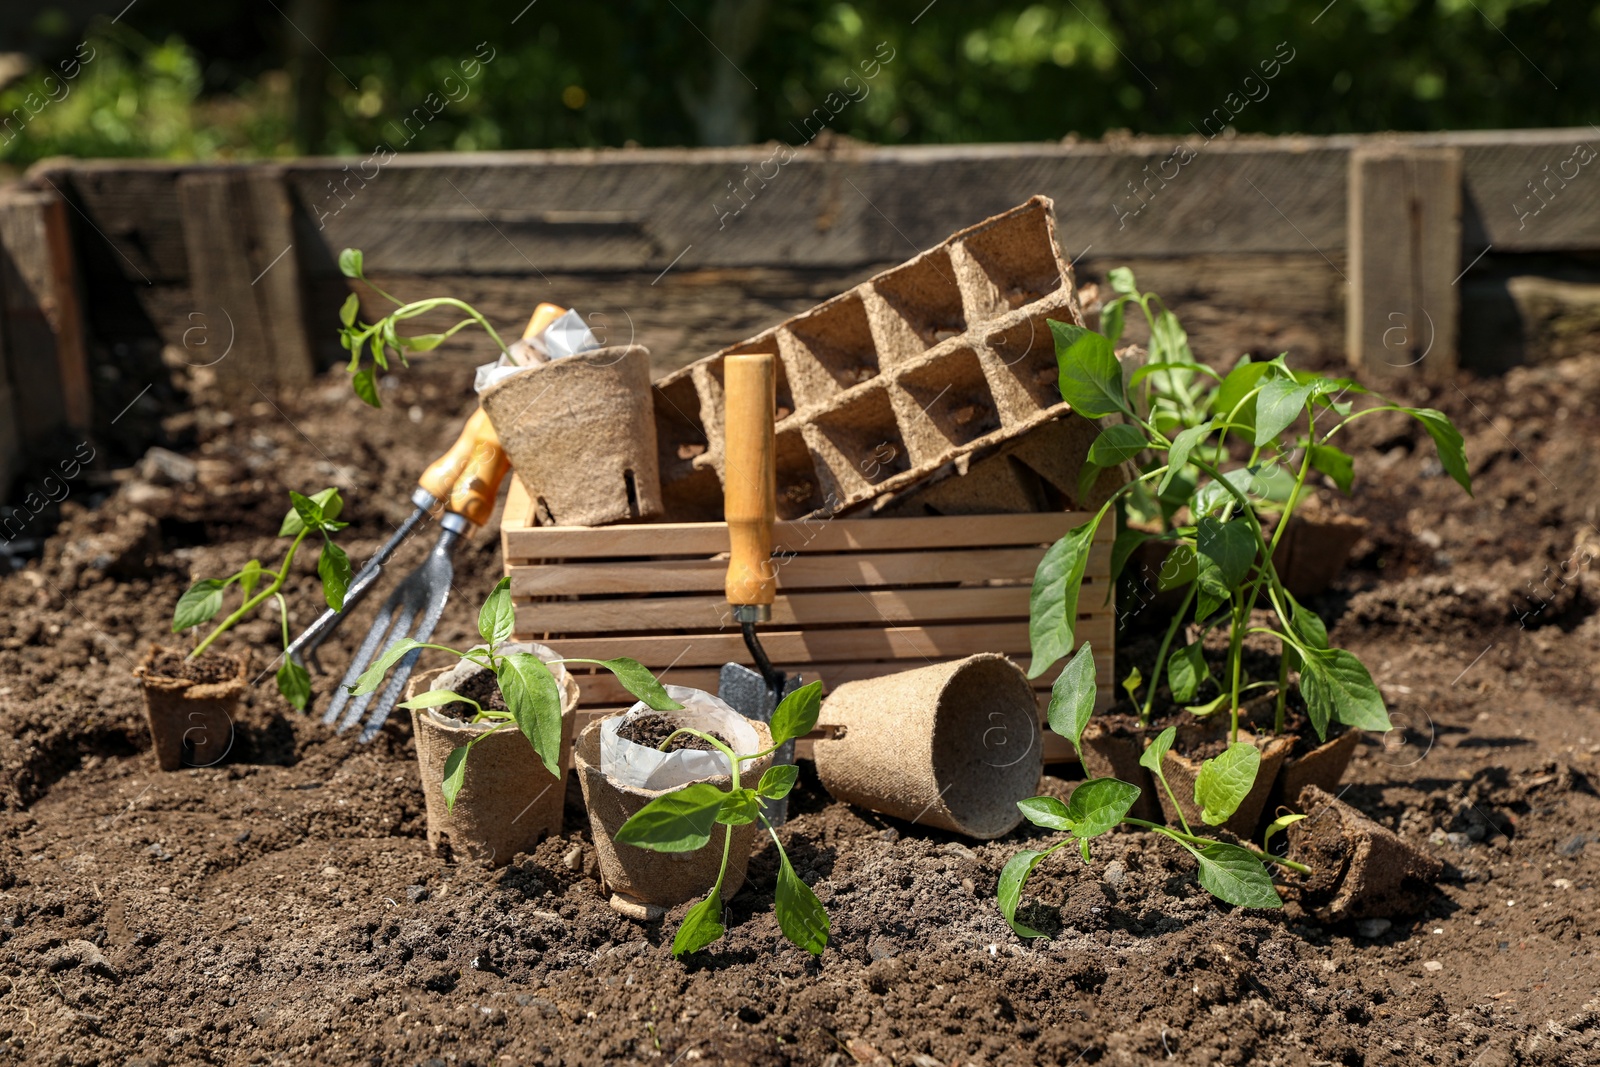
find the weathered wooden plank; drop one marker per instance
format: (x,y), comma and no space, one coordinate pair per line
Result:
(1405,242)
(236,228)
(42,316)
(866,570)
(655,540)
(918,644)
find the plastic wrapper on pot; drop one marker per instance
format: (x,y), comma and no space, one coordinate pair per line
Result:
(643,882)
(191,723)
(508,800)
(633,765)
(952,745)
(581,434)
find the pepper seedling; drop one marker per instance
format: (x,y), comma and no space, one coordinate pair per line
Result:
(530,689)
(1232,873)
(1225,525)
(382,336)
(200,603)
(683,821)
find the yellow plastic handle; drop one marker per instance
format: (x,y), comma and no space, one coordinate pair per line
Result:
(468,476)
(749,391)
(542,317)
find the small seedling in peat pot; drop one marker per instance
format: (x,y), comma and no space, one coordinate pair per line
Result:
(381,336)
(683,821)
(531,693)
(1232,873)
(202,601)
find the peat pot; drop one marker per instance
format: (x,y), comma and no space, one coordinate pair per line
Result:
(935,745)
(508,800)
(1181,772)
(581,434)
(191,718)
(643,883)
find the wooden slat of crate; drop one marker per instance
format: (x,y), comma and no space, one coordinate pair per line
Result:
(857,598)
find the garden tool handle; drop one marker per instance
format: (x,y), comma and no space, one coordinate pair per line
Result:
(542,317)
(466,479)
(749,475)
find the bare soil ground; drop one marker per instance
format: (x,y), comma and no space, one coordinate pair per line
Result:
(283,906)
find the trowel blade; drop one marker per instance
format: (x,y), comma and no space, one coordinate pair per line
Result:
(746,692)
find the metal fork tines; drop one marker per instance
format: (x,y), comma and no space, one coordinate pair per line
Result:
(412,610)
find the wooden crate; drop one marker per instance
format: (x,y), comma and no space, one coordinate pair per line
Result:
(857,598)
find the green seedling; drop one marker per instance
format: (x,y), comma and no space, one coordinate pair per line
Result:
(200,603)
(683,821)
(383,336)
(1233,873)
(530,689)
(1223,516)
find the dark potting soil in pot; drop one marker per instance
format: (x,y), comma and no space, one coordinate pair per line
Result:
(651,730)
(207,670)
(483,687)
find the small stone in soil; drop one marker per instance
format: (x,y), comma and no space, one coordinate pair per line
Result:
(573,859)
(1116,873)
(416,893)
(651,730)
(1574,845)
(1371,928)
(1433,965)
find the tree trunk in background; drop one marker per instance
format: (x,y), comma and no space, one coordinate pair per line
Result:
(724,112)
(307,39)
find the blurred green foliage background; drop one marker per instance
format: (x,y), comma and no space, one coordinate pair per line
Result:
(251,78)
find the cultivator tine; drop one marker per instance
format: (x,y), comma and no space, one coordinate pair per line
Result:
(365,656)
(400,629)
(439,596)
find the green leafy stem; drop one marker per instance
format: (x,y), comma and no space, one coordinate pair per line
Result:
(203,600)
(381,336)
(684,820)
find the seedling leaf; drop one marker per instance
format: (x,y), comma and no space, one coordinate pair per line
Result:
(1111,316)
(1053,602)
(350,263)
(334,568)
(1121,280)
(1447,441)
(249,578)
(779,779)
(1336,464)
(347,310)
(534,699)
(801,915)
(796,715)
(1280,402)
(637,679)
(1276,827)
(1233,874)
(1337,686)
(1122,548)
(1132,682)
(422,342)
(1225,780)
(1156,750)
(1115,444)
(1227,549)
(1178,454)
(701,926)
(1013,876)
(294,682)
(739,806)
(1090,376)
(1100,804)
(497,618)
(1047,812)
(314,511)
(1072,698)
(678,822)
(1186,672)
(374,674)
(1308,626)
(433,698)
(200,602)
(455,775)
(1234,388)
(365,383)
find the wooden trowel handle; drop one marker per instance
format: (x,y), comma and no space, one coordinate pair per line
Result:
(750,479)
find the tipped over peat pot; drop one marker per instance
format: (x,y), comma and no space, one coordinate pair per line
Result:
(581,434)
(952,745)
(644,883)
(190,704)
(508,801)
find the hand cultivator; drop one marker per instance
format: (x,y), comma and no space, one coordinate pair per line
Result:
(466,480)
